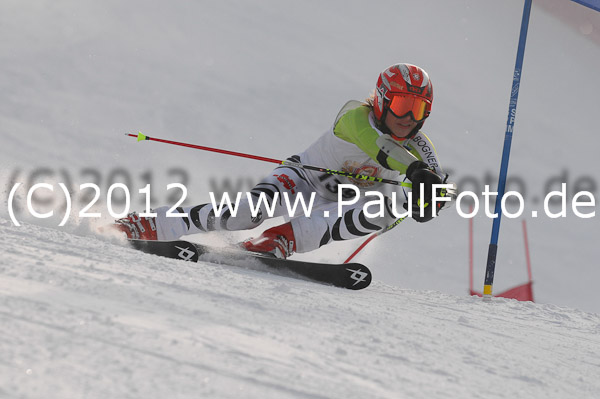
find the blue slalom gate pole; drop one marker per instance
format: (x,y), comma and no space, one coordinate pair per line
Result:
(512,111)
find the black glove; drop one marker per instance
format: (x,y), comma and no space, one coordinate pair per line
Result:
(418,173)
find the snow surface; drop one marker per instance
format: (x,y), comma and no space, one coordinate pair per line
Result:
(83,316)
(86,318)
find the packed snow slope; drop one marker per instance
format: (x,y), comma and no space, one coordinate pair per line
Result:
(83,316)
(86,318)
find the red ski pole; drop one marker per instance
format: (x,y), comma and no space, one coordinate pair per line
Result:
(141,137)
(372,237)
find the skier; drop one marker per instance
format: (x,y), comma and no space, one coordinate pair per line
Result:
(379,137)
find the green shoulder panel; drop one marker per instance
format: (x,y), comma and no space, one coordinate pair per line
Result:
(354,127)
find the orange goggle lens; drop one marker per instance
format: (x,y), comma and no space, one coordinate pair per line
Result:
(401,105)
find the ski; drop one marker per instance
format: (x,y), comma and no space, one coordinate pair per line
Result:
(354,276)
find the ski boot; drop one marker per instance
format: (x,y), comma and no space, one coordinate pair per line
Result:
(136,227)
(277,241)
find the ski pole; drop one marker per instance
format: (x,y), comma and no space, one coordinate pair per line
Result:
(372,237)
(450,192)
(357,176)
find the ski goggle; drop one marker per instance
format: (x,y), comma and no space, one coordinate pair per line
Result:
(402,104)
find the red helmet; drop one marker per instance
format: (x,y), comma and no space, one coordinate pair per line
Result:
(403,89)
